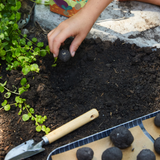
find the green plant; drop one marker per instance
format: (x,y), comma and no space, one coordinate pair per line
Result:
(21,103)
(15,48)
(19,52)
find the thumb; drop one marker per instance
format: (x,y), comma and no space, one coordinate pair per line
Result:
(75,44)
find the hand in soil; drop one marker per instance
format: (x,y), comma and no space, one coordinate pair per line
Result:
(76,26)
(64,55)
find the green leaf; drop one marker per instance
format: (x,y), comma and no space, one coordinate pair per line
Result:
(22,41)
(27,86)
(47,49)
(30,115)
(1,89)
(29,43)
(4,103)
(38,128)
(43,53)
(47,130)
(16,64)
(26,70)
(20,112)
(40,44)
(23,81)
(18,5)
(25,35)
(7,94)
(20,105)
(34,39)
(31,110)
(25,117)
(32,118)
(45,117)
(7,107)
(18,99)
(54,65)
(1,36)
(21,90)
(34,67)
(14,42)
(43,128)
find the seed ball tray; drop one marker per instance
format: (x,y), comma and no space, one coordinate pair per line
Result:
(104,134)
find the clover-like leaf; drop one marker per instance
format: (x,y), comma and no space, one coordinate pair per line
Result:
(7,94)
(47,130)
(4,103)
(38,128)
(23,81)
(31,110)
(1,89)
(25,117)
(7,107)
(34,39)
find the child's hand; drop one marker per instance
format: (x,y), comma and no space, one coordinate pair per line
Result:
(77,26)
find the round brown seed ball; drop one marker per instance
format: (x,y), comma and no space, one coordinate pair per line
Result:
(64,55)
(84,153)
(146,154)
(157,120)
(121,137)
(112,153)
(157,145)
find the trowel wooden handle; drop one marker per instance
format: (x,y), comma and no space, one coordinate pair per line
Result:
(72,125)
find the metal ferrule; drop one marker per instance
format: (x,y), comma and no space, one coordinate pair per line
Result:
(45,139)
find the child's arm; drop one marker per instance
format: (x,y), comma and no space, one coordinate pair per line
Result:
(76,26)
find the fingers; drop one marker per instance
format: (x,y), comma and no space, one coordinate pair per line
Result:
(56,38)
(76,43)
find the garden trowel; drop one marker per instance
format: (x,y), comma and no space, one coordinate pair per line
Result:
(30,148)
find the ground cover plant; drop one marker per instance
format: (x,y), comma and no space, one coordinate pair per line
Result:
(120,80)
(20,53)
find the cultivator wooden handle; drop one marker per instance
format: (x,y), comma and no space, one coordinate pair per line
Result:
(72,125)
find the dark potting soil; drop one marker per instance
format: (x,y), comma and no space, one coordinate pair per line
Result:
(122,81)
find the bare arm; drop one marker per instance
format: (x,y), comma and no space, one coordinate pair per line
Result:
(77,26)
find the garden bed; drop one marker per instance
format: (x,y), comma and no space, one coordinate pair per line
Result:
(122,81)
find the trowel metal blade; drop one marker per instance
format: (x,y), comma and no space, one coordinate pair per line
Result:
(25,150)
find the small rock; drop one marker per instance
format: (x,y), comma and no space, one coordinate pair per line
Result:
(24,31)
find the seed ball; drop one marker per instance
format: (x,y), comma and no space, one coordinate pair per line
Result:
(112,153)
(85,153)
(146,154)
(64,55)
(157,145)
(121,137)
(157,120)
